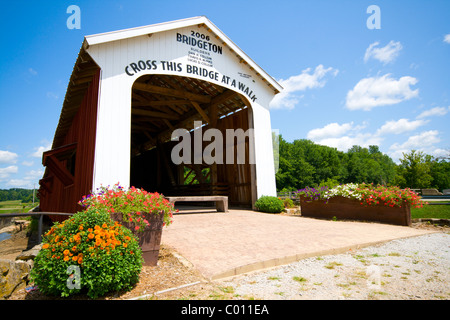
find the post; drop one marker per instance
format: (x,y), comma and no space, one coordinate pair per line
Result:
(41,219)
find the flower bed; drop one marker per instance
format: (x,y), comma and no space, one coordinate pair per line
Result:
(360,202)
(144,213)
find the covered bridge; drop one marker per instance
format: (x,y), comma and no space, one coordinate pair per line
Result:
(130,90)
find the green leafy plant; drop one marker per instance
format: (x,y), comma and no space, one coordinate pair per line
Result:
(288,203)
(131,203)
(269,204)
(87,253)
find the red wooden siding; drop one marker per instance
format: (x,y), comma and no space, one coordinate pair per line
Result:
(56,195)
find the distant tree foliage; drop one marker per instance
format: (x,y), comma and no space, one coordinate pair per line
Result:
(303,163)
(26,195)
(419,170)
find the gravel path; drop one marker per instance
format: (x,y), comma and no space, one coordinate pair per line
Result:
(413,268)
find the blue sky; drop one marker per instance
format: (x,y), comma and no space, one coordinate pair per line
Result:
(345,84)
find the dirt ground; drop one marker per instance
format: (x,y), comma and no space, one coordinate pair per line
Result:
(171,272)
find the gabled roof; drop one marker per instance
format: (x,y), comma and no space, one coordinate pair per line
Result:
(166,26)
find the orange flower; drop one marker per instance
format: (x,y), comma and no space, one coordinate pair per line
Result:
(74,248)
(66,252)
(80,227)
(74,258)
(104,225)
(66,258)
(90,235)
(125,245)
(45,246)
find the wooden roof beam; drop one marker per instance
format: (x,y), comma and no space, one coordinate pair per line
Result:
(224,96)
(159,103)
(154,114)
(172,92)
(201,111)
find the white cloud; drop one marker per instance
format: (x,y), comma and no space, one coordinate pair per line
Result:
(437,111)
(40,150)
(330,130)
(424,141)
(346,142)
(385,54)
(19,183)
(343,137)
(30,179)
(447,38)
(52,95)
(32,71)
(380,91)
(34,174)
(440,152)
(400,126)
(6,172)
(27,163)
(290,96)
(8,157)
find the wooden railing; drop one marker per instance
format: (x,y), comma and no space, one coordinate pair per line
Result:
(290,194)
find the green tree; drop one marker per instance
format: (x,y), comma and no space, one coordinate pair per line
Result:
(303,163)
(369,165)
(440,172)
(414,170)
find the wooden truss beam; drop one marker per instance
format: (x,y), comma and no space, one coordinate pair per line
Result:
(201,111)
(58,169)
(172,92)
(159,103)
(154,114)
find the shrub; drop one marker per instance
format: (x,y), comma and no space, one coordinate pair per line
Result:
(269,204)
(102,255)
(288,203)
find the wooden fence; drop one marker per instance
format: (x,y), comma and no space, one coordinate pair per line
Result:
(290,194)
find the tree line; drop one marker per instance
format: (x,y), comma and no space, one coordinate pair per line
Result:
(26,195)
(303,163)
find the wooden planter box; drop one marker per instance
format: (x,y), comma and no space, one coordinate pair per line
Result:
(344,208)
(149,238)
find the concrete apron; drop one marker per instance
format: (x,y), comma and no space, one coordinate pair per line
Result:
(222,245)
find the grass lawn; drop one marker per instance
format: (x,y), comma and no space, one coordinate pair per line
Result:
(431,212)
(15,206)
